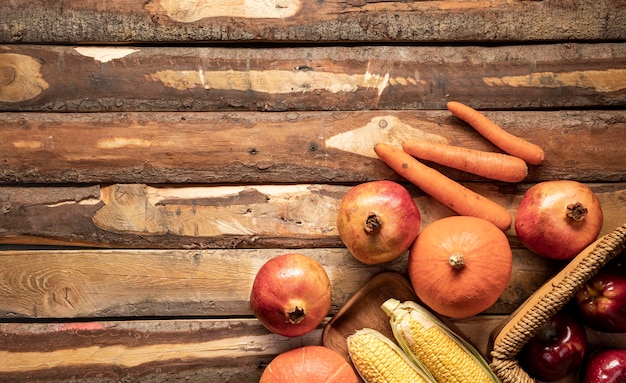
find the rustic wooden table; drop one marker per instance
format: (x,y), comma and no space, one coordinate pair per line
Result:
(154,154)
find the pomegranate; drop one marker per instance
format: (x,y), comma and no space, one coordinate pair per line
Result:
(291,294)
(378,221)
(558,219)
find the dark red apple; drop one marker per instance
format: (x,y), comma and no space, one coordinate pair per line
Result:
(602,300)
(557,351)
(605,366)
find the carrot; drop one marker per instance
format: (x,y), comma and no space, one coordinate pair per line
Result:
(513,145)
(447,191)
(497,166)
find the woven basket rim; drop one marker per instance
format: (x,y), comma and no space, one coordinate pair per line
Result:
(510,337)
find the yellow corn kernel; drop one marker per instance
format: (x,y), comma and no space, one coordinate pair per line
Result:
(430,343)
(443,356)
(379,360)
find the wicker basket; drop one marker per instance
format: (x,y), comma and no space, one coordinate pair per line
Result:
(509,338)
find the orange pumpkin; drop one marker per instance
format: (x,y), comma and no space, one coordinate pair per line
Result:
(459,266)
(309,364)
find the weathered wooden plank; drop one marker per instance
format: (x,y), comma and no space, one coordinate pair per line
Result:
(182,283)
(194,351)
(146,283)
(305,147)
(34,21)
(160,283)
(255,216)
(229,350)
(91,79)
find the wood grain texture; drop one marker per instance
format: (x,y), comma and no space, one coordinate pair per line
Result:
(195,351)
(102,79)
(45,284)
(333,21)
(241,148)
(200,350)
(143,181)
(196,217)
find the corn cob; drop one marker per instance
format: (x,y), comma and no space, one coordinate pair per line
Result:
(428,341)
(378,360)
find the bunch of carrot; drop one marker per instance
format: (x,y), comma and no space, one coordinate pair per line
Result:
(510,167)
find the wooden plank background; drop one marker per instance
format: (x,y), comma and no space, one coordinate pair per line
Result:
(334,21)
(310,78)
(153,154)
(284,216)
(294,147)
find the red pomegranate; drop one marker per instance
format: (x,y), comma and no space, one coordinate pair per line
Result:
(378,221)
(558,219)
(291,294)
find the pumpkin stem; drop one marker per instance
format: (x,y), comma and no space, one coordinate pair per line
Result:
(372,223)
(576,211)
(457,261)
(295,316)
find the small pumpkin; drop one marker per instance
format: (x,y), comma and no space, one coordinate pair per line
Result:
(460,265)
(309,364)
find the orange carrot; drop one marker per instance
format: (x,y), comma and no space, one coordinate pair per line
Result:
(497,166)
(513,145)
(447,191)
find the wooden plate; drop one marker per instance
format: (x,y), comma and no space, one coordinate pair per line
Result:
(363,310)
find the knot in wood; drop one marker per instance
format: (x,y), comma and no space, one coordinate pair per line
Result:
(5,207)
(8,74)
(66,296)
(121,194)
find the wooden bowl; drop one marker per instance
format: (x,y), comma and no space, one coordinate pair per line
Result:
(363,310)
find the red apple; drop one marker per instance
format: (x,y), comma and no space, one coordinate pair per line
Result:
(557,351)
(605,366)
(602,300)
